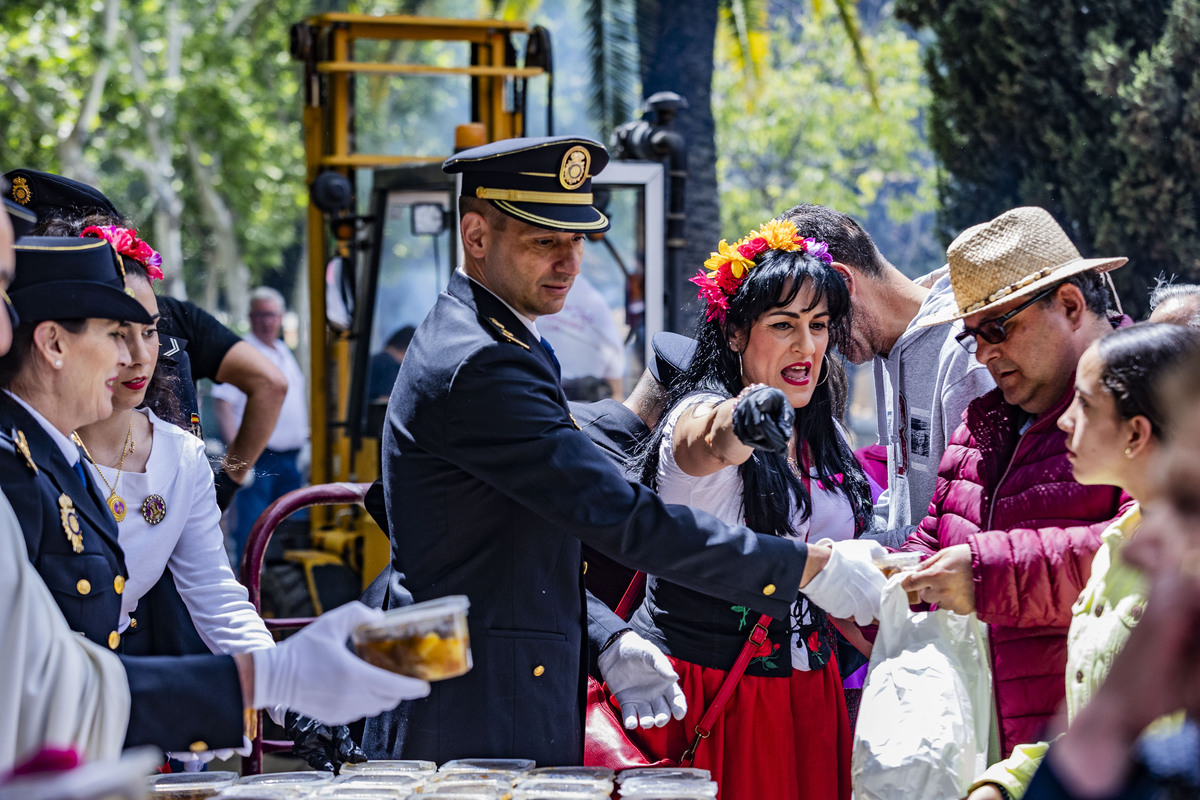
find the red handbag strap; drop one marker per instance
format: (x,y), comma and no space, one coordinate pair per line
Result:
(625,607)
(758,635)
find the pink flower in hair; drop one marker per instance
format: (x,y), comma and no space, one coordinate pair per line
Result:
(126,242)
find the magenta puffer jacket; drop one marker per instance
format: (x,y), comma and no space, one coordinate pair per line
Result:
(1032,531)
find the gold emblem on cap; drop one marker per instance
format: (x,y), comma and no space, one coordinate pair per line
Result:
(70,522)
(20,191)
(23,449)
(574,169)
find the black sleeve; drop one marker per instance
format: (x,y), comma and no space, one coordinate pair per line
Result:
(180,701)
(207,339)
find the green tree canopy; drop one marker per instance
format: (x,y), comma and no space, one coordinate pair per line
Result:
(1088,110)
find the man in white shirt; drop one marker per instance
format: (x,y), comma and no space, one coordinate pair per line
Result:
(277,470)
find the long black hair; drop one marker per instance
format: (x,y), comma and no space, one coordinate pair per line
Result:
(1133,359)
(769,486)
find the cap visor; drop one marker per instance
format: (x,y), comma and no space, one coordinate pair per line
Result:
(78,300)
(23,220)
(583,219)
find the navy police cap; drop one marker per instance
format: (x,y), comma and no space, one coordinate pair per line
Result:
(23,220)
(60,277)
(544,181)
(672,356)
(46,195)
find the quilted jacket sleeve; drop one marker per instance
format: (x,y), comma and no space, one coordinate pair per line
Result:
(1030,577)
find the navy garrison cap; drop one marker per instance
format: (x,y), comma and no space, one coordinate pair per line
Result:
(60,277)
(545,181)
(672,356)
(48,195)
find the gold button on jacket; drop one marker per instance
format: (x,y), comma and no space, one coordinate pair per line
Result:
(538,671)
(769,589)
(119,583)
(114,640)
(84,586)
(198,747)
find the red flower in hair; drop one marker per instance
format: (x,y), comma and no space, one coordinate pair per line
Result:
(753,248)
(126,242)
(725,279)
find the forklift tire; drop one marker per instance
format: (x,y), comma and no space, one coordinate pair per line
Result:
(285,592)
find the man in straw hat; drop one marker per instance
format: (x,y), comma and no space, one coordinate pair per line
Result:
(490,488)
(1010,532)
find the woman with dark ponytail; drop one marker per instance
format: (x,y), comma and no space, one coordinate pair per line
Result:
(751,438)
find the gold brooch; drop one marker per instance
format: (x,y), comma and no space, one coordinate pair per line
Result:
(506,333)
(23,449)
(70,522)
(574,169)
(154,509)
(20,191)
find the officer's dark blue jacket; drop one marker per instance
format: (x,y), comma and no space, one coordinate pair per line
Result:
(490,488)
(176,702)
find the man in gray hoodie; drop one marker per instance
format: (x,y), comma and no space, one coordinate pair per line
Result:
(923,378)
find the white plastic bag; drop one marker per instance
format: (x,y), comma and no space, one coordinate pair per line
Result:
(926,707)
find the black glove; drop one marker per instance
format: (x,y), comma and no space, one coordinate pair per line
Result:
(226,488)
(763,418)
(322,746)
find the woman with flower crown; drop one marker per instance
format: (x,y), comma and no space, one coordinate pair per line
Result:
(751,438)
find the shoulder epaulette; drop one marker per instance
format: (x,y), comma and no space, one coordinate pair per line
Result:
(505,333)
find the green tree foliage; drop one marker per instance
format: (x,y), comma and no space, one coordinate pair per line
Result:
(808,130)
(186,114)
(1086,109)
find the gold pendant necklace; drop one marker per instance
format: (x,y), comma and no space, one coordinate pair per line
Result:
(116,503)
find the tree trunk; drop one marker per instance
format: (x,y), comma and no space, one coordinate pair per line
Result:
(682,43)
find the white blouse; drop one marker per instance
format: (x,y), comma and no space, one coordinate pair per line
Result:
(720,494)
(188,540)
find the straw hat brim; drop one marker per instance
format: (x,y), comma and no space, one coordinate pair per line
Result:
(1060,274)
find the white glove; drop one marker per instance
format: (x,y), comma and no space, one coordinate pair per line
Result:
(315,673)
(642,682)
(850,585)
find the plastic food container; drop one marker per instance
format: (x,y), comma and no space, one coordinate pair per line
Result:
(258,793)
(519,765)
(398,781)
(584,786)
(664,773)
(893,563)
(549,793)
(495,788)
(504,778)
(651,789)
(189,785)
(426,640)
(571,774)
(307,780)
(389,768)
(361,792)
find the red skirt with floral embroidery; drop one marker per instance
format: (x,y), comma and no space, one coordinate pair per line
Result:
(778,738)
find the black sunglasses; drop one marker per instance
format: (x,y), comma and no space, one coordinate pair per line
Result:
(992,330)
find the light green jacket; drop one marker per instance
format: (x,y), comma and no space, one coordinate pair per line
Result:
(1107,609)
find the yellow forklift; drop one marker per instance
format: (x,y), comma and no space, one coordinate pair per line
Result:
(386,100)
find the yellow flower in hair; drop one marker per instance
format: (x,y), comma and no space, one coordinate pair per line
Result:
(780,234)
(727,253)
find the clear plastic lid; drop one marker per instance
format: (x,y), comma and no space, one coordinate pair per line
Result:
(503,778)
(566,785)
(490,764)
(428,612)
(301,778)
(648,789)
(189,785)
(427,640)
(666,773)
(571,773)
(897,562)
(239,792)
(549,793)
(360,791)
(390,766)
(406,781)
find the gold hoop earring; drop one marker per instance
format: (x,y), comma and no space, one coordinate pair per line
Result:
(825,370)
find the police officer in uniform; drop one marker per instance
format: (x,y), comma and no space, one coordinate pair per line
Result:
(490,487)
(69,297)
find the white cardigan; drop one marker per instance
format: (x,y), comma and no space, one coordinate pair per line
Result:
(188,540)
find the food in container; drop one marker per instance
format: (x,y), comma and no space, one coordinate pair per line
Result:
(504,778)
(495,788)
(189,785)
(426,640)
(892,563)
